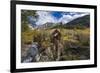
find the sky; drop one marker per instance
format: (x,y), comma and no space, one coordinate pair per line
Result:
(55,17)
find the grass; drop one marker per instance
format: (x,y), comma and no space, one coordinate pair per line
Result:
(73,41)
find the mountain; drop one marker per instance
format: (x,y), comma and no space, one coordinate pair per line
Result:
(46,25)
(81,22)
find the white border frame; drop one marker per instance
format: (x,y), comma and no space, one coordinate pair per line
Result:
(20,65)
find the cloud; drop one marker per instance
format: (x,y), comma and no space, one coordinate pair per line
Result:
(70,16)
(44,17)
(47,16)
(65,18)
